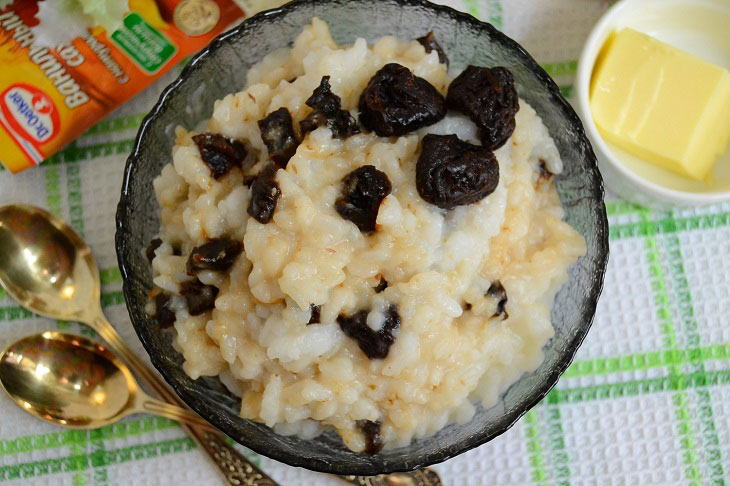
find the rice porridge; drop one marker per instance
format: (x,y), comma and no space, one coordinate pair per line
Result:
(341,260)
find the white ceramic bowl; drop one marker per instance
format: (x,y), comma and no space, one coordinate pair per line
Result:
(700,27)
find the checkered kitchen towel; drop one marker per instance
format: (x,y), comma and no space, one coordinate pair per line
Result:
(647,400)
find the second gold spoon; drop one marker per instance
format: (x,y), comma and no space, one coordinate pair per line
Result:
(72,381)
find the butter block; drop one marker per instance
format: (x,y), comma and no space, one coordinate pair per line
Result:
(661,104)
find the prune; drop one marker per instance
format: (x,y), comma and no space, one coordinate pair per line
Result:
(382,285)
(363,190)
(497,291)
(375,344)
(323,99)
(396,102)
(265,193)
(451,172)
(198,296)
(343,125)
(545,174)
(315,314)
(216,255)
(219,153)
(371,431)
(488,97)
(248,179)
(428,41)
(277,132)
(150,251)
(326,110)
(312,121)
(164,315)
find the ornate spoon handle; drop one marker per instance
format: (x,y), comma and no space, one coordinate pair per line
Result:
(237,470)
(420,477)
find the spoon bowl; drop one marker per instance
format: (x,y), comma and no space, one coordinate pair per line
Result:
(74,382)
(66,380)
(45,265)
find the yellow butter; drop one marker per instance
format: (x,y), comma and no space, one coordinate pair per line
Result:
(661,104)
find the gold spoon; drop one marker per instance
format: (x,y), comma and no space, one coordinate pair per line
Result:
(72,381)
(49,269)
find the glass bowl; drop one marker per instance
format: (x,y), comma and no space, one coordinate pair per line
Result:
(220,69)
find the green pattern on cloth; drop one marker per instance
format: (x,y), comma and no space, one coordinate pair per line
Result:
(116,124)
(80,462)
(668,332)
(534,448)
(644,402)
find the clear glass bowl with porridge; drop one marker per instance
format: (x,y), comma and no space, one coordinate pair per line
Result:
(362,240)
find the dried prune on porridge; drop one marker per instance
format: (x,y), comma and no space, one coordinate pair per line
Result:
(497,291)
(363,190)
(544,174)
(150,251)
(343,124)
(198,296)
(382,285)
(265,193)
(451,172)
(220,153)
(277,132)
(315,313)
(375,344)
(218,254)
(323,100)
(326,110)
(428,41)
(163,313)
(314,120)
(396,102)
(489,98)
(371,431)
(248,179)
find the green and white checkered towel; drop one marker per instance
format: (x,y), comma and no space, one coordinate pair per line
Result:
(647,400)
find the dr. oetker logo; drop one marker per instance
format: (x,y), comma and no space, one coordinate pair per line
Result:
(30,116)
